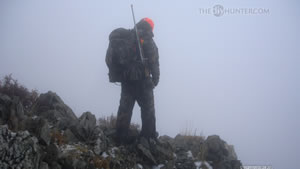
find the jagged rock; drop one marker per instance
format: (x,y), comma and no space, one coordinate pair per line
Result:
(125,157)
(11,112)
(101,143)
(84,130)
(220,153)
(146,153)
(39,128)
(87,121)
(156,152)
(51,107)
(18,150)
(162,151)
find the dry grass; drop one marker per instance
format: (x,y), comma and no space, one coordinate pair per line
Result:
(81,148)
(192,134)
(101,163)
(192,137)
(11,87)
(58,137)
(111,121)
(108,122)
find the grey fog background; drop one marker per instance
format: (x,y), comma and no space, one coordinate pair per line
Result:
(235,75)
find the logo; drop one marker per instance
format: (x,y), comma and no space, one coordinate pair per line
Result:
(218,10)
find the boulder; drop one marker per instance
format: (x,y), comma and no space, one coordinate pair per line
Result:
(215,149)
(156,152)
(84,130)
(188,143)
(220,153)
(146,153)
(51,107)
(162,151)
(87,121)
(18,150)
(39,128)
(100,144)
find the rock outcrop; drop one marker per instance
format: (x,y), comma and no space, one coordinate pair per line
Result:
(18,150)
(50,107)
(52,137)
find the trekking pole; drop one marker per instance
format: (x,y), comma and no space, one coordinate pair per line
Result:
(137,36)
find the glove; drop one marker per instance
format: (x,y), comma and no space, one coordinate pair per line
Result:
(155,81)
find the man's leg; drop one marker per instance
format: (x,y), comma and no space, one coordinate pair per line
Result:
(125,112)
(146,102)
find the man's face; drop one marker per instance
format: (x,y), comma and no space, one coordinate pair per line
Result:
(144,29)
(145,33)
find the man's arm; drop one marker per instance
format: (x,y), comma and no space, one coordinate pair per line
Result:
(151,53)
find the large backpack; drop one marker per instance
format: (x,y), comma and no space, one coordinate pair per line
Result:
(122,58)
(118,53)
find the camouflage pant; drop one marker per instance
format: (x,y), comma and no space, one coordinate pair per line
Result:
(142,92)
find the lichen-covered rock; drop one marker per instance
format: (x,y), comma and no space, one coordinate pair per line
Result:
(75,156)
(100,145)
(18,150)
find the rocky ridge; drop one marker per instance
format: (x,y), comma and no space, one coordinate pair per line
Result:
(50,136)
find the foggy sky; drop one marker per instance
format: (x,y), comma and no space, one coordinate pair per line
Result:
(235,75)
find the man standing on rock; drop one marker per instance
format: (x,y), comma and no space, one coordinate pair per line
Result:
(138,75)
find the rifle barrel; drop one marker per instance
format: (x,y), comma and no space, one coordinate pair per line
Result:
(137,35)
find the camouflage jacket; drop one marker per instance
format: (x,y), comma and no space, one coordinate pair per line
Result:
(151,55)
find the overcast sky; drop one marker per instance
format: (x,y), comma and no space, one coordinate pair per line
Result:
(236,75)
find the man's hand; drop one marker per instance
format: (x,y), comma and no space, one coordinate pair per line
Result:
(155,81)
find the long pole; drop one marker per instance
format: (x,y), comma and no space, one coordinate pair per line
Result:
(137,35)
